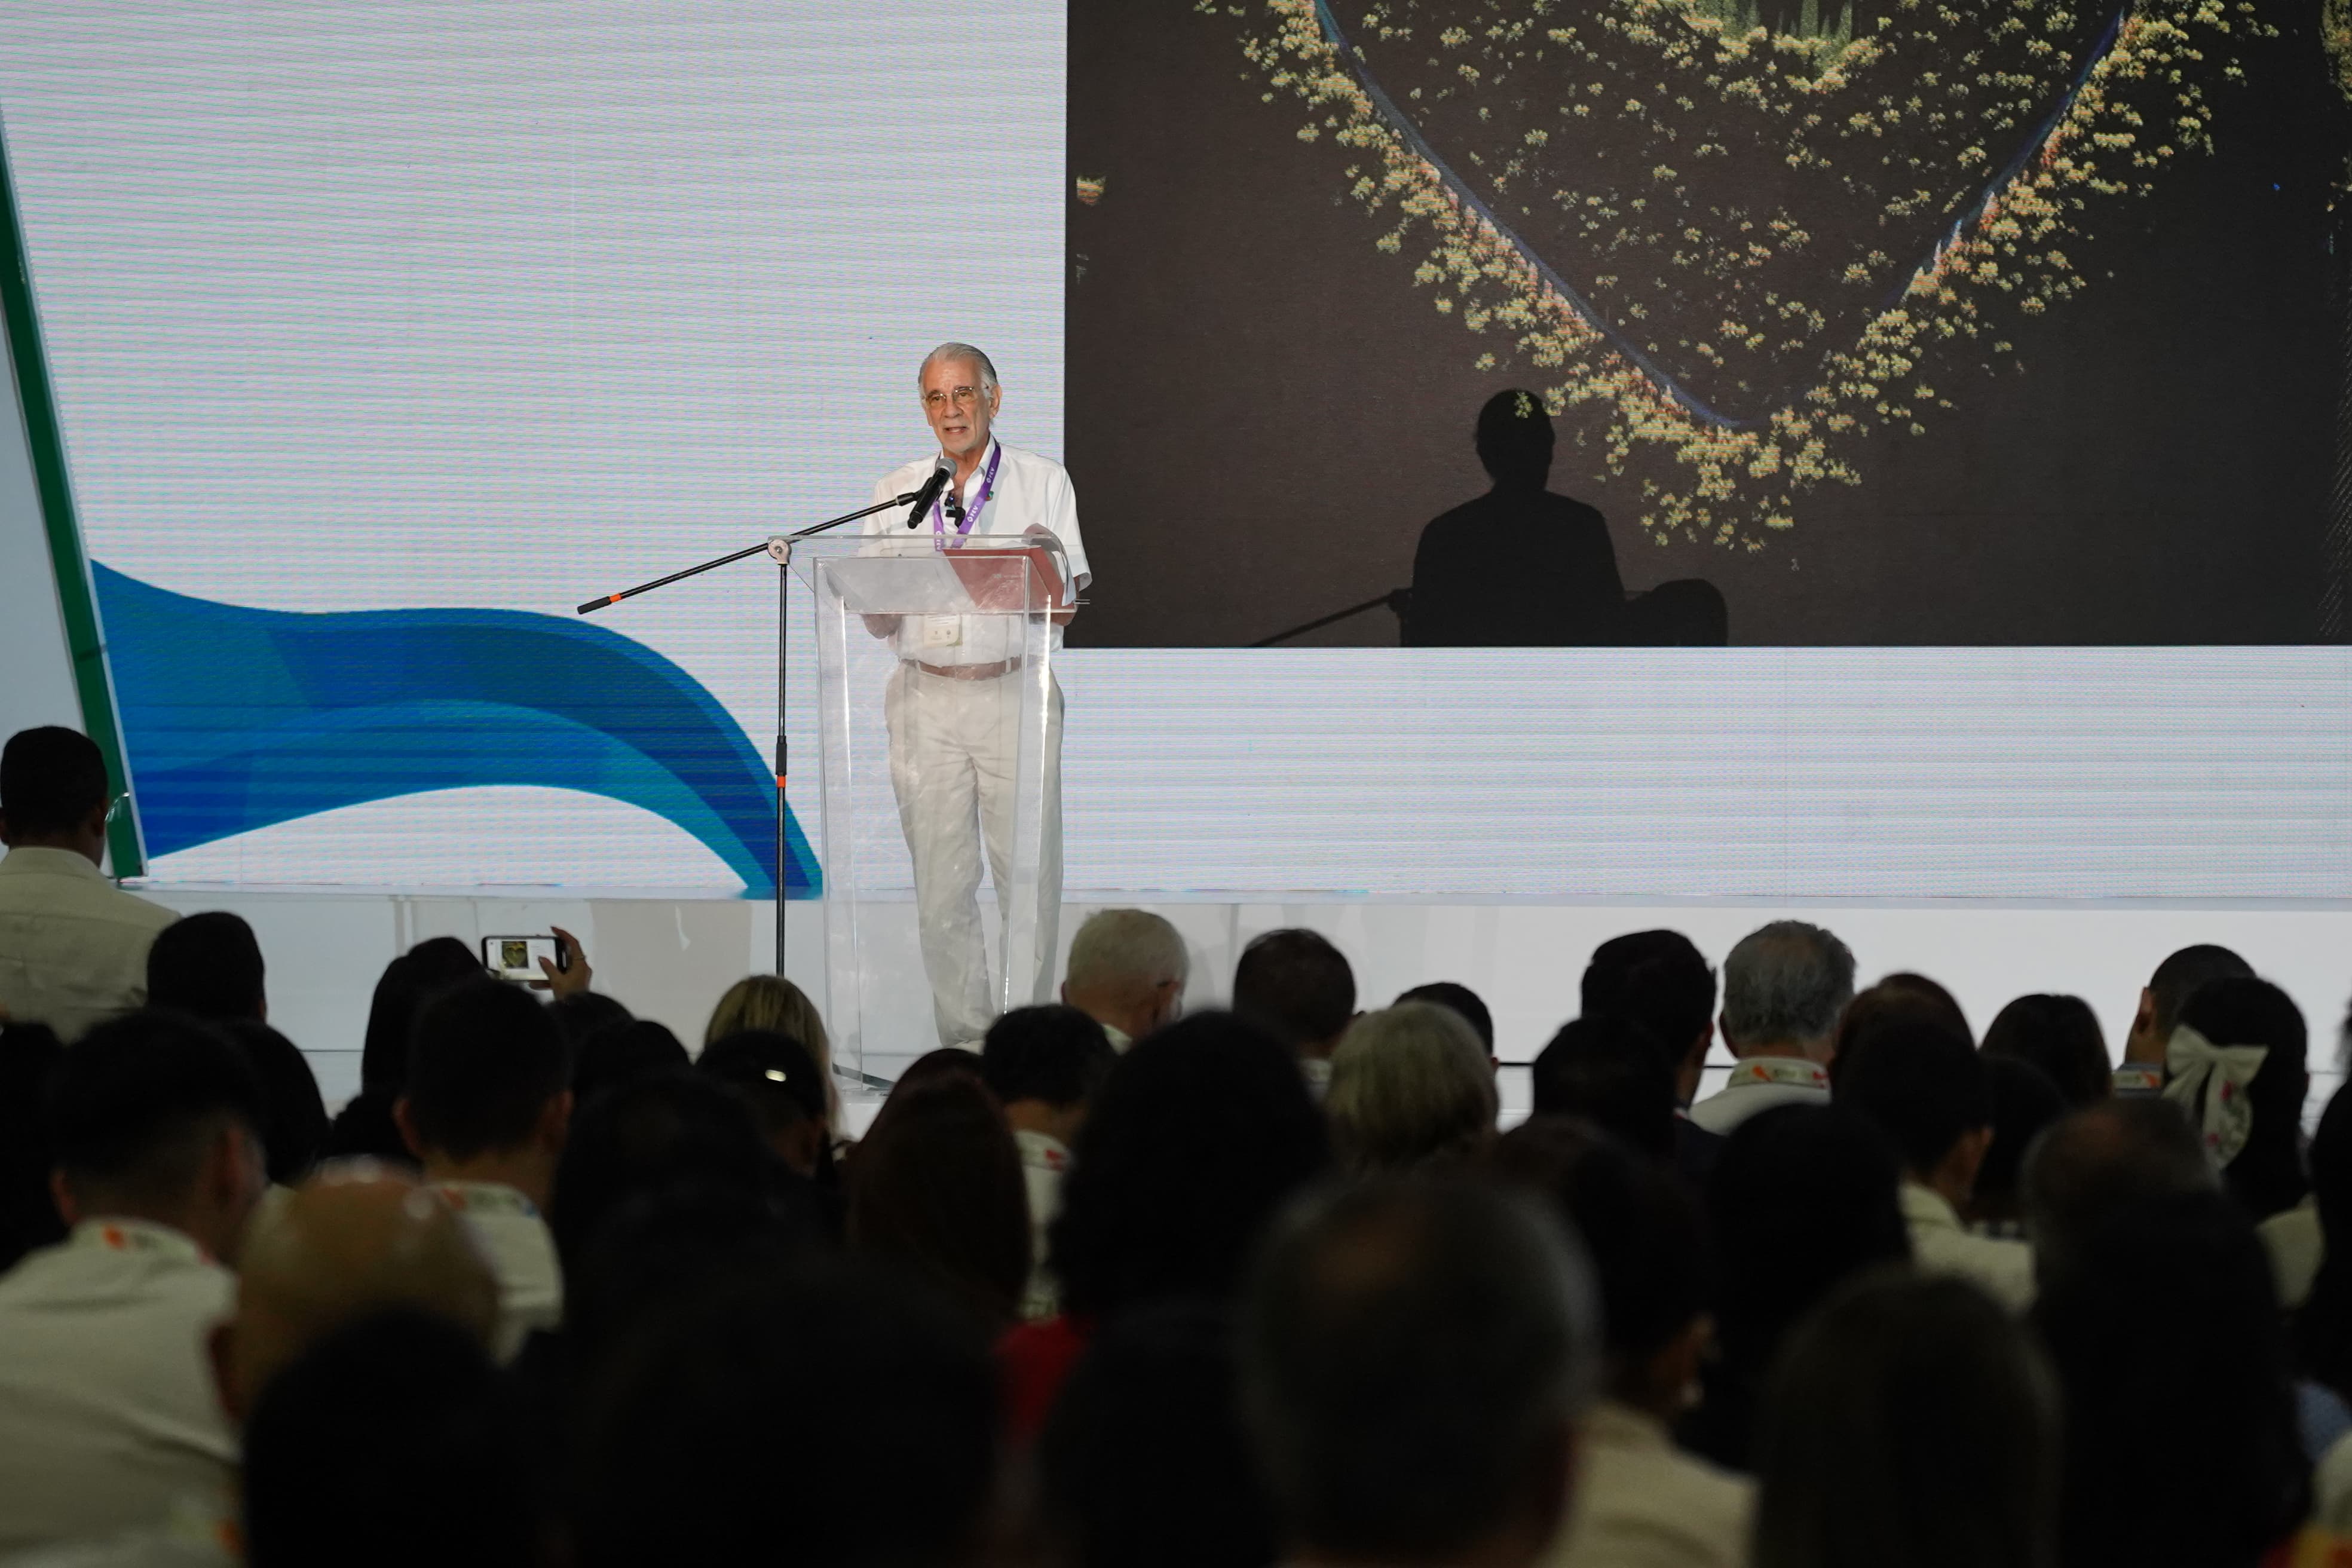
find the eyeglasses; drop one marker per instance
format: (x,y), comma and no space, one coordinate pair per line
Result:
(114,807)
(961,397)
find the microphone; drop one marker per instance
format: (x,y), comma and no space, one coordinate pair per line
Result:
(940,474)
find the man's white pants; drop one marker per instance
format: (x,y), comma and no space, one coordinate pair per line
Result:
(954,748)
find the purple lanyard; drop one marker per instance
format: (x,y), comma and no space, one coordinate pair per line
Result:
(972,512)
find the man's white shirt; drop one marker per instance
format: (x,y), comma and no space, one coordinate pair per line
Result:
(1760,1083)
(1043,1160)
(1030,491)
(1940,1243)
(108,1418)
(521,1251)
(73,946)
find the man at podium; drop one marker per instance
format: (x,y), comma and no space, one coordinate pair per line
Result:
(951,711)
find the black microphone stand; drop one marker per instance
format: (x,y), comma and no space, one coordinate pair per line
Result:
(1397,599)
(779,549)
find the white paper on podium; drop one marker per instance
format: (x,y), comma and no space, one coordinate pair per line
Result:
(900,585)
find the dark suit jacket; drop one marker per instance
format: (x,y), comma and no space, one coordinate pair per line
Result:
(1516,569)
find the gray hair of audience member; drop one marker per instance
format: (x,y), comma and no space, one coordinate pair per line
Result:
(1910,1422)
(1410,1084)
(2101,1156)
(1414,1355)
(1129,947)
(1785,983)
(959,351)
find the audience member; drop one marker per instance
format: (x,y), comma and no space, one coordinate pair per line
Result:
(1297,987)
(1044,1066)
(1661,982)
(651,1136)
(1804,1198)
(780,1083)
(1198,1134)
(390,1443)
(2167,1336)
(773,1002)
(1410,1086)
(73,946)
(2235,1064)
(1127,972)
(736,1427)
(1898,1005)
(2101,1157)
(2323,1307)
(364,1126)
(1143,1463)
(1638,1500)
(1615,1074)
(208,966)
(2061,1036)
(1784,986)
(485,1110)
(1910,1423)
(1928,1090)
(294,1125)
(585,1013)
(1415,1357)
(107,1412)
(2177,979)
(1462,1000)
(936,1187)
(29,1053)
(2025,1103)
(619,1052)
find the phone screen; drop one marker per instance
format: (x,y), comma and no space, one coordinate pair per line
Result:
(516,957)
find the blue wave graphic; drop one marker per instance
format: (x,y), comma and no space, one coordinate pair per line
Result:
(236,719)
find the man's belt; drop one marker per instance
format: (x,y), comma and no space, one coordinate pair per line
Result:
(970,671)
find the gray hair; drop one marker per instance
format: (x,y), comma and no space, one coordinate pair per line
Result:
(1408,1084)
(1784,982)
(959,351)
(1127,946)
(1412,1354)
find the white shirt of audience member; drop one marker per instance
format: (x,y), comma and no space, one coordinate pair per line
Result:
(1044,1159)
(521,1251)
(1940,1243)
(73,946)
(109,1416)
(1760,1083)
(1641,1503)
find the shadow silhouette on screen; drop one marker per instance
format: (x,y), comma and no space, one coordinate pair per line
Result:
(1522,567)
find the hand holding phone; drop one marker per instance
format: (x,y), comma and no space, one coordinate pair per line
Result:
(554,963)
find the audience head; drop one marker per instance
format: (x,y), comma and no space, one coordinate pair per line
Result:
(488,1078)
(673,1243)
(1127,971)
(1414,1358)
(354,1240)
(1928,1091)
(29,1055)
(431,966)
(1198,1136)
(1613,1073)
(2324,1324)
(1659,980)
(2025,1104)
(783,1089)
(2176,980)
(770,1002)
(208,966)
(731,1429)
(2236,1065)
(1410,1086)
(1297,987)
(1515,440)
(1900,1004)
(2096,1159)
(1044,1065)
(2061,1036)
(2163,1325)
(1462,1000)
(581,1014)
(53,792)
(294,1114)
(387,1444)
(158,1117)
(1911,1423)
(1642,1235)
(1784,986)
(1143,1463)
(654,1135)
(935,1187)
(622,1051)
(1803,1198)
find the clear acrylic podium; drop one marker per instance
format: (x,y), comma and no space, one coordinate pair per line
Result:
(936,704)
